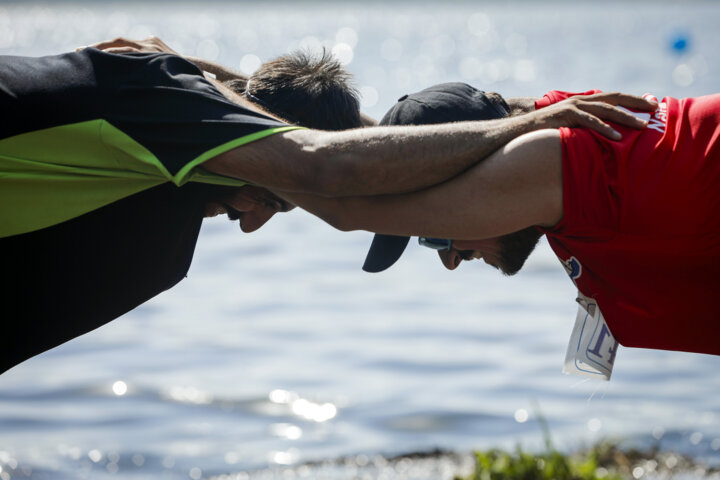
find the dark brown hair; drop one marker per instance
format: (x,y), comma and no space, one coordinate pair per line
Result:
(310,90)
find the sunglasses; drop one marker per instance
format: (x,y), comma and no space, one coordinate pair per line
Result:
(439,244)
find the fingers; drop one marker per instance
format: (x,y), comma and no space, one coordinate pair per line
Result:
(118,42)
(587,120)
(124,45)
(160,45)
(121,50)
(633,102)
(609,113)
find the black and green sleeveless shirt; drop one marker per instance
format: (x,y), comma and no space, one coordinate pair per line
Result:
(101,189)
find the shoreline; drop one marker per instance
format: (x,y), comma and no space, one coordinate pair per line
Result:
(630,463)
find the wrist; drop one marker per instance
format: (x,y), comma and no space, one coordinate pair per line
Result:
(521,105)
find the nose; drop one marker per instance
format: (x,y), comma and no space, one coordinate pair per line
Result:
(450,258)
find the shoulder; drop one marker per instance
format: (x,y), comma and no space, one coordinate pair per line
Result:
(534,165)
(536,156)
(540,143)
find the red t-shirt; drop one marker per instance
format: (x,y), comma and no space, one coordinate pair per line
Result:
(641,226)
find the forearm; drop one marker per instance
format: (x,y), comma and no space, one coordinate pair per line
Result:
(518,186)
(367,161)
(521,105)
(388,160)
(383,160)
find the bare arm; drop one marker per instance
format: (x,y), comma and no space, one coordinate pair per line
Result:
(221,72)
(518,186)
(384,160)
(521,105)
(154,44)
(367,161)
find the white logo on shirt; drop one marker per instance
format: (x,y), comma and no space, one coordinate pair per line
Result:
(658,120)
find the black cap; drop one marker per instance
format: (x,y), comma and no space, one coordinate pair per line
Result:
(443,103)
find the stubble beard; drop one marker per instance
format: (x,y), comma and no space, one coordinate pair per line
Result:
(515,248)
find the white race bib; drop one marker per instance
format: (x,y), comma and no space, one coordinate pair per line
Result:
(592,347)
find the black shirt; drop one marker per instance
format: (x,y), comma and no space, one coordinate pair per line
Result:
(75,275)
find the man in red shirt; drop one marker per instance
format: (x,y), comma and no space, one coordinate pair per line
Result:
(641,232)
(635,221)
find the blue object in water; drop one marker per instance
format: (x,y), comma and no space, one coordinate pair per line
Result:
(680,42)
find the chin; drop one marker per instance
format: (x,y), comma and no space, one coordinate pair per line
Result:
(510,268)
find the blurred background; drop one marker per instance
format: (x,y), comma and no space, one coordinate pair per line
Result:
(277,349)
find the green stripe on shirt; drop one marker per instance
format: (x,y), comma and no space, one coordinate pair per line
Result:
(52,175)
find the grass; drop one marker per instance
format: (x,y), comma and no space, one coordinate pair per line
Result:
(600,463)
(604,461)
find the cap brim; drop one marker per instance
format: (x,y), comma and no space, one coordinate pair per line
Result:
(384,252)
(446,102)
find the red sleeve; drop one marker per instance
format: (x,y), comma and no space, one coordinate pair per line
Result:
(555,96)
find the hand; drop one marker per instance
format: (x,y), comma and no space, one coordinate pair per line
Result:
(252,206)
(591,111)
(125,45)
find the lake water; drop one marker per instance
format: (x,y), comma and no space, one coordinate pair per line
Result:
(277,349)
